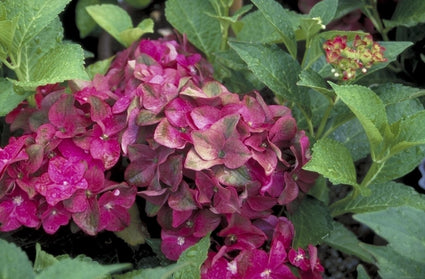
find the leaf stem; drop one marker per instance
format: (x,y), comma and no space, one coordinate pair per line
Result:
(324,120)
(372,173)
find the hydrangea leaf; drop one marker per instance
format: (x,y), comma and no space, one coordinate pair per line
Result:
(384,196)
(411,132)
(78,268)
(312,79)
(14,262)
(312,222)
(69,58)
(160,272)
(8,97)
(8,28)
(370,110)
(275,68)
(33,17)
(325,10)
(408,13)
(138,3)
(189,17)
(282,19)
(401,164)
(333,160)
(403,228)
(361,272)
(346,241)
(42,259)
(257,29)
(112,18)
(131,35)
(83,20)
(192,258)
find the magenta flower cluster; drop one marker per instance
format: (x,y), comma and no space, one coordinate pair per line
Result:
(203,158)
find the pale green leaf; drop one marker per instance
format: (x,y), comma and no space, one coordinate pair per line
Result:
(284,21)
(347,242)
(408,13)
(333,160)
(112,18)
(64,62)
(43,259)
(9,99)
(33,17)
(192,258)
(384,196)
(7,33)
(129,36)
(403,227)
(325,10)
(75,268)
(83,20)
(99,67)
(312,222)
(275,68)
(32,52)
(189,17)
(14,262)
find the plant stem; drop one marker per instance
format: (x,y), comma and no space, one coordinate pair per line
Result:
(324,120)
(372,173)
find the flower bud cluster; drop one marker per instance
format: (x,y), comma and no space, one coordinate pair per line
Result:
(203,158)
(348,60)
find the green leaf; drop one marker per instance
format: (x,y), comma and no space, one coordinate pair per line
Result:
(99,67)
(347,6)
(312,79)
(384,196)
(352,135)
(42,259)
(189,17)
(257,29)
(131,35)
(14,262)
(192,258)
(408,13)
(361,272)
(8,97)
(275,68)
(392,264)
(83,20)
(401,164)
(76,268)
(347,242)
(33,17)
(403,228)
(411,132)
(333,160)
(312,222)
(8,28)
(284,21)
(63,62)
(370,111)
(325,10)
(112,18)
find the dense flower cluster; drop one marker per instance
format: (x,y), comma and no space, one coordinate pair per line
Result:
(203,158)
(346,60)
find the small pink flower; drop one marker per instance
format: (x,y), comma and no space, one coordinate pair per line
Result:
(175,242)
(53,217)
(16,210)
